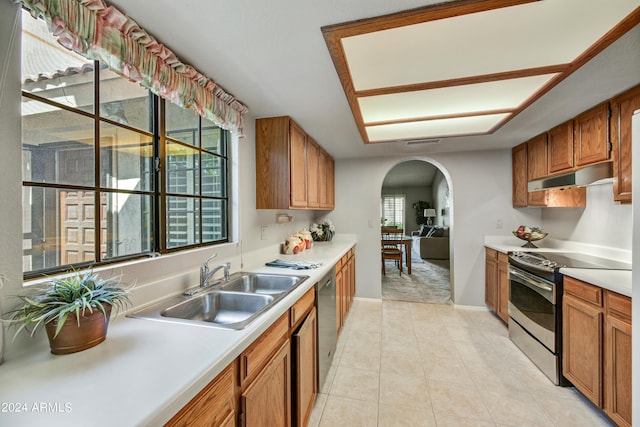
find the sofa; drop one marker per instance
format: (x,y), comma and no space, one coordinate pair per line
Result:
(431,242)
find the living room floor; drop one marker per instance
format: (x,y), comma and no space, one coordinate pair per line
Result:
(429,281)
(414,364)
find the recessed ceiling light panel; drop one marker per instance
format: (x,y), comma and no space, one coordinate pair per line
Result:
(435,128)
(453,100)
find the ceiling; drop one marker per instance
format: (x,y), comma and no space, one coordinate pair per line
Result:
(412,173)
(272,56)
(405,81)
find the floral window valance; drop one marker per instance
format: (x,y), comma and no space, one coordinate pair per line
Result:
(97,31)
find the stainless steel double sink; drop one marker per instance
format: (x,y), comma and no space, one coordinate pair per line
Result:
(231,304)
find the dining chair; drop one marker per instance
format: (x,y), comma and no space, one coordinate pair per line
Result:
(391,251)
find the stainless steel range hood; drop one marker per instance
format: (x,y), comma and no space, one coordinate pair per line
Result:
(596,174)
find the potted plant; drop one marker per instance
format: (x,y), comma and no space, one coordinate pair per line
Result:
(419,207)
(74,309)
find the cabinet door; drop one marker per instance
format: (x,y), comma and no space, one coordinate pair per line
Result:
(503,288)
(267,401)
(214,405)
(339,298)
(537,157)
(582,347)
(519,175)
(352,280)
(491,279)
(618,370)
(313,197)
(590,135)
(617,365)
(560,148)
(306,360)
(622,109)
(331,186)
(298,168)
(326,181)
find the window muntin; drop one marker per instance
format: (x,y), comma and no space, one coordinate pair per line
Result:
(76,217)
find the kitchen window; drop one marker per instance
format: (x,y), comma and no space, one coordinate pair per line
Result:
(110,171)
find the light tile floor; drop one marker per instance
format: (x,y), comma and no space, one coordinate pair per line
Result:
(415,364)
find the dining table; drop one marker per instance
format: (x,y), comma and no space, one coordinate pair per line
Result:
(404,241)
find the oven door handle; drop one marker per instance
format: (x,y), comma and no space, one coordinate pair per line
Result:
(528,281)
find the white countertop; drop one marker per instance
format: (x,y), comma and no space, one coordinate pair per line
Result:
(614,280)
(146,370)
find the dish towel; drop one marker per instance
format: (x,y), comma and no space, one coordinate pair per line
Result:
(295,265)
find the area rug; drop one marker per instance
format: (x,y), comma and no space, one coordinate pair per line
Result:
(428,282)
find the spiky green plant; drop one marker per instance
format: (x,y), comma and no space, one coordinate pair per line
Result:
(76,292)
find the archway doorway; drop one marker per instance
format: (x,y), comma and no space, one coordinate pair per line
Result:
(416,198)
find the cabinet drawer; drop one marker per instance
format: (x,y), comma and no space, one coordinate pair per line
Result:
(491,254)
(618,306)
(302,306)
(253,359)
(212,406)
(582,290)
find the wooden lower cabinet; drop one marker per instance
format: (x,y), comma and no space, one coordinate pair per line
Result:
(582,357)
(213,406)
(345,286)
(305,341)
(503,287)
(597,346)
(496,283)
(267,401)
(617,372)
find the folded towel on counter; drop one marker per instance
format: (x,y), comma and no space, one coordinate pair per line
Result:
(295,265)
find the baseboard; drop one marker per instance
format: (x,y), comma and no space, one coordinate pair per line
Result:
(367,299)
(470,307)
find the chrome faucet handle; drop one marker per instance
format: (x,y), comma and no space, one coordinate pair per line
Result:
(204,270)
(227,270)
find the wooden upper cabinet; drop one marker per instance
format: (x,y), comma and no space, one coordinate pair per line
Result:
(313,185)
(537,157)
(622,108)
(591,136)
(326,181)
(298,169)
(289,168)
(519,175)
(560,148)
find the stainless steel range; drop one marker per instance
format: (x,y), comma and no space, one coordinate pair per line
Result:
(535,304)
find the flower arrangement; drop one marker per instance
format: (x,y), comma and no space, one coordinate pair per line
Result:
(323,232)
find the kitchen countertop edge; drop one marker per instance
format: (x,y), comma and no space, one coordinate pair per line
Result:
(618,281)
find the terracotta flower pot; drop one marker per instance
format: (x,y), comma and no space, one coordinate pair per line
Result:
(71,338)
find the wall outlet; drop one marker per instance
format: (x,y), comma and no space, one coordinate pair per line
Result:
(264,231)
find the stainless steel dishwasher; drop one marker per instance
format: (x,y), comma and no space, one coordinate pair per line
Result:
(327,332)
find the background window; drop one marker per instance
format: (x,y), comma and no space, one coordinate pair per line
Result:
(392,209)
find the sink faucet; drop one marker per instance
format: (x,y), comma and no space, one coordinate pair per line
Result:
(205,274)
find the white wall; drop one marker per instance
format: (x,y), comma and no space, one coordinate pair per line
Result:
(480,186)
(601,222)
(441,196)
